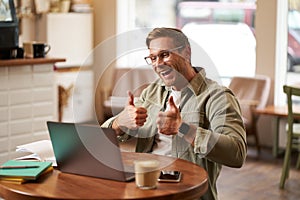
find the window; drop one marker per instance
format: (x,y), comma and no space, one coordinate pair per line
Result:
(135,19)
(225,32)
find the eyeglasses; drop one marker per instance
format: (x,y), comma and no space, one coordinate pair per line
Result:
(165,54)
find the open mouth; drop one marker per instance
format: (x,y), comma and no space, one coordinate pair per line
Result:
(166,73)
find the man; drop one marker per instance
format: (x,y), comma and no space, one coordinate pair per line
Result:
(183,114)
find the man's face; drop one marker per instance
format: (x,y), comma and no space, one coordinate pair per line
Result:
(168,60)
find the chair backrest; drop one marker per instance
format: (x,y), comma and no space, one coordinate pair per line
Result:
(291,93)
(252,92)
(256,89)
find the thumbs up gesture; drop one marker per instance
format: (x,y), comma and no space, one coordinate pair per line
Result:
(131,117)
(168,122)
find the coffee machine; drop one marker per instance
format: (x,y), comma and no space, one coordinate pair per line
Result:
(9,31)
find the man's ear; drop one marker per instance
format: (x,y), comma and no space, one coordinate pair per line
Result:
(187,53)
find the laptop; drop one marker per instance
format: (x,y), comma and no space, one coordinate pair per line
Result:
(88,150)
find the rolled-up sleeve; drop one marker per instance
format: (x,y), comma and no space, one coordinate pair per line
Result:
(225,140)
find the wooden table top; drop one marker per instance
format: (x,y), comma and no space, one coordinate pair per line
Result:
(58,185)
(279,111)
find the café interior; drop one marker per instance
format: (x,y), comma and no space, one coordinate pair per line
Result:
(96,54)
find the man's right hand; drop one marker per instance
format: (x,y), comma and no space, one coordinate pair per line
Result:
(131,117)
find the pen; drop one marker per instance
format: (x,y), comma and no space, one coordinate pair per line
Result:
(19,167)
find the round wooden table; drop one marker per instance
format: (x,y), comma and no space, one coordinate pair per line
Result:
(58,185)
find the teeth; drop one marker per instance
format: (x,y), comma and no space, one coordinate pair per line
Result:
(165,72)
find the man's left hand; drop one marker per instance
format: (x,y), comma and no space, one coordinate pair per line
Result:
(168,122)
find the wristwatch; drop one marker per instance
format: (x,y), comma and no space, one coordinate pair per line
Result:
(184,128)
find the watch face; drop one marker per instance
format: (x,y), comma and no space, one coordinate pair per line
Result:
(184,128)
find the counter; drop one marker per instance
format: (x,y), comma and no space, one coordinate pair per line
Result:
(29,61)
(28,98)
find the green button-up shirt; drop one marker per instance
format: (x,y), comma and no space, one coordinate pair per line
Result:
(213,109)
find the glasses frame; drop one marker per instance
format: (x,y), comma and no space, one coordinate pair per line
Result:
(150,61)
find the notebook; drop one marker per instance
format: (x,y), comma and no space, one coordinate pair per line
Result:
(27,170)
(88,150)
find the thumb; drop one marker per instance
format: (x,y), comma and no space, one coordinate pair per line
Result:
(130,100)
(172,104)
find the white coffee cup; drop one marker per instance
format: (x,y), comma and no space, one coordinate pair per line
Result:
(28,49)
(146,173)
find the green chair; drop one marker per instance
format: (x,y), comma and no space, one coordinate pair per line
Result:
(293,131)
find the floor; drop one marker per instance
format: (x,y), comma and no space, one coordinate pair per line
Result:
(259,179)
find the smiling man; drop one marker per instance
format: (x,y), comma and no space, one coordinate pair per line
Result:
(183,114)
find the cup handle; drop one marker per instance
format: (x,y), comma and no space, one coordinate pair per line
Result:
(47,48)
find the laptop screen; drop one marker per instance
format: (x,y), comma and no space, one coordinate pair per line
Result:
(86,150)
